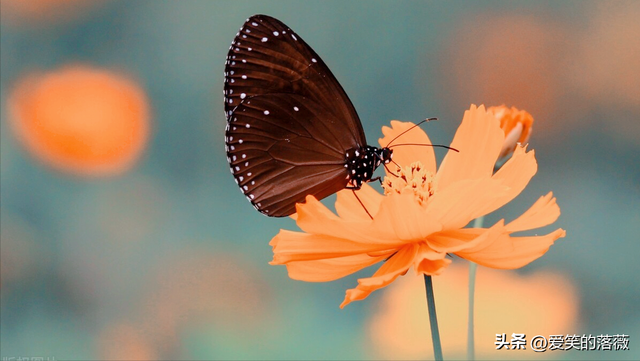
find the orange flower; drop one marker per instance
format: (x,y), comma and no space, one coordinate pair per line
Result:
(420,218)
(516,124)
(82,120)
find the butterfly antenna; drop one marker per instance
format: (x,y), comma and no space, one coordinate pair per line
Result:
(427,145)
(416,125)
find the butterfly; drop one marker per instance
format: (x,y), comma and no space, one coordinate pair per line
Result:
(291,129)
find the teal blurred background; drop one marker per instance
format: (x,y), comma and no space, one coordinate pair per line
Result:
(168,260)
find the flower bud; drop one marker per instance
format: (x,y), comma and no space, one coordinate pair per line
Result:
(517,126)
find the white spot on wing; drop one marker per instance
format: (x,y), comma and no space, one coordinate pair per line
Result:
(264,40)
(243,95)
(296,108)
(266,112)
(294,37)
(314,60)
(276,33)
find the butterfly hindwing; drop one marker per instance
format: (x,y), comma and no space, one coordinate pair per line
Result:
(289,122)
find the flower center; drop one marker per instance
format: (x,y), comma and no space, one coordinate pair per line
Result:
(413,178)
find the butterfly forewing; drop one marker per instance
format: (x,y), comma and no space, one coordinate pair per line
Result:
(289,122)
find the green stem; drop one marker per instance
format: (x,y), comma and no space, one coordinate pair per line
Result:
(472,289)
(470,327)
(433,319)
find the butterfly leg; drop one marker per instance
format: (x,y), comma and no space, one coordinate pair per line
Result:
(362,204)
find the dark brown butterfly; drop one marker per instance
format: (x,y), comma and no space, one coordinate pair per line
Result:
(291,129)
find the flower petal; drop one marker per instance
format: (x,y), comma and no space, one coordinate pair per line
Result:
(455,240)
(395,266)
(315,218)
(463,201)
(405,218)
(516,174)
(430,262)
(405,155)
(543,212)
(350,209)
(478,140)
(325,270)
(291,246)
(506,252)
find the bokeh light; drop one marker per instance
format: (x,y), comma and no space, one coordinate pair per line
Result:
(542,303)
(605,71)
(82,120)
(504,58)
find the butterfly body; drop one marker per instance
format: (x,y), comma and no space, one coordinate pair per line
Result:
(291,129)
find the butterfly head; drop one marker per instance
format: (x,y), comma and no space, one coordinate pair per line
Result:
(384,155)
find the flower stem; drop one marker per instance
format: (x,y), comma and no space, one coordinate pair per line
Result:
(433,319)
(470,327)
(472,289)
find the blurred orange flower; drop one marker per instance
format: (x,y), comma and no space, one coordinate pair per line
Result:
(517,126)
(420,218)
(525,65)
(540,303)
(81,120)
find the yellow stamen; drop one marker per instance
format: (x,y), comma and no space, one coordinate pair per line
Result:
(414,178)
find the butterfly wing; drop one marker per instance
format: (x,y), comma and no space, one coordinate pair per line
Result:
(289,122)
